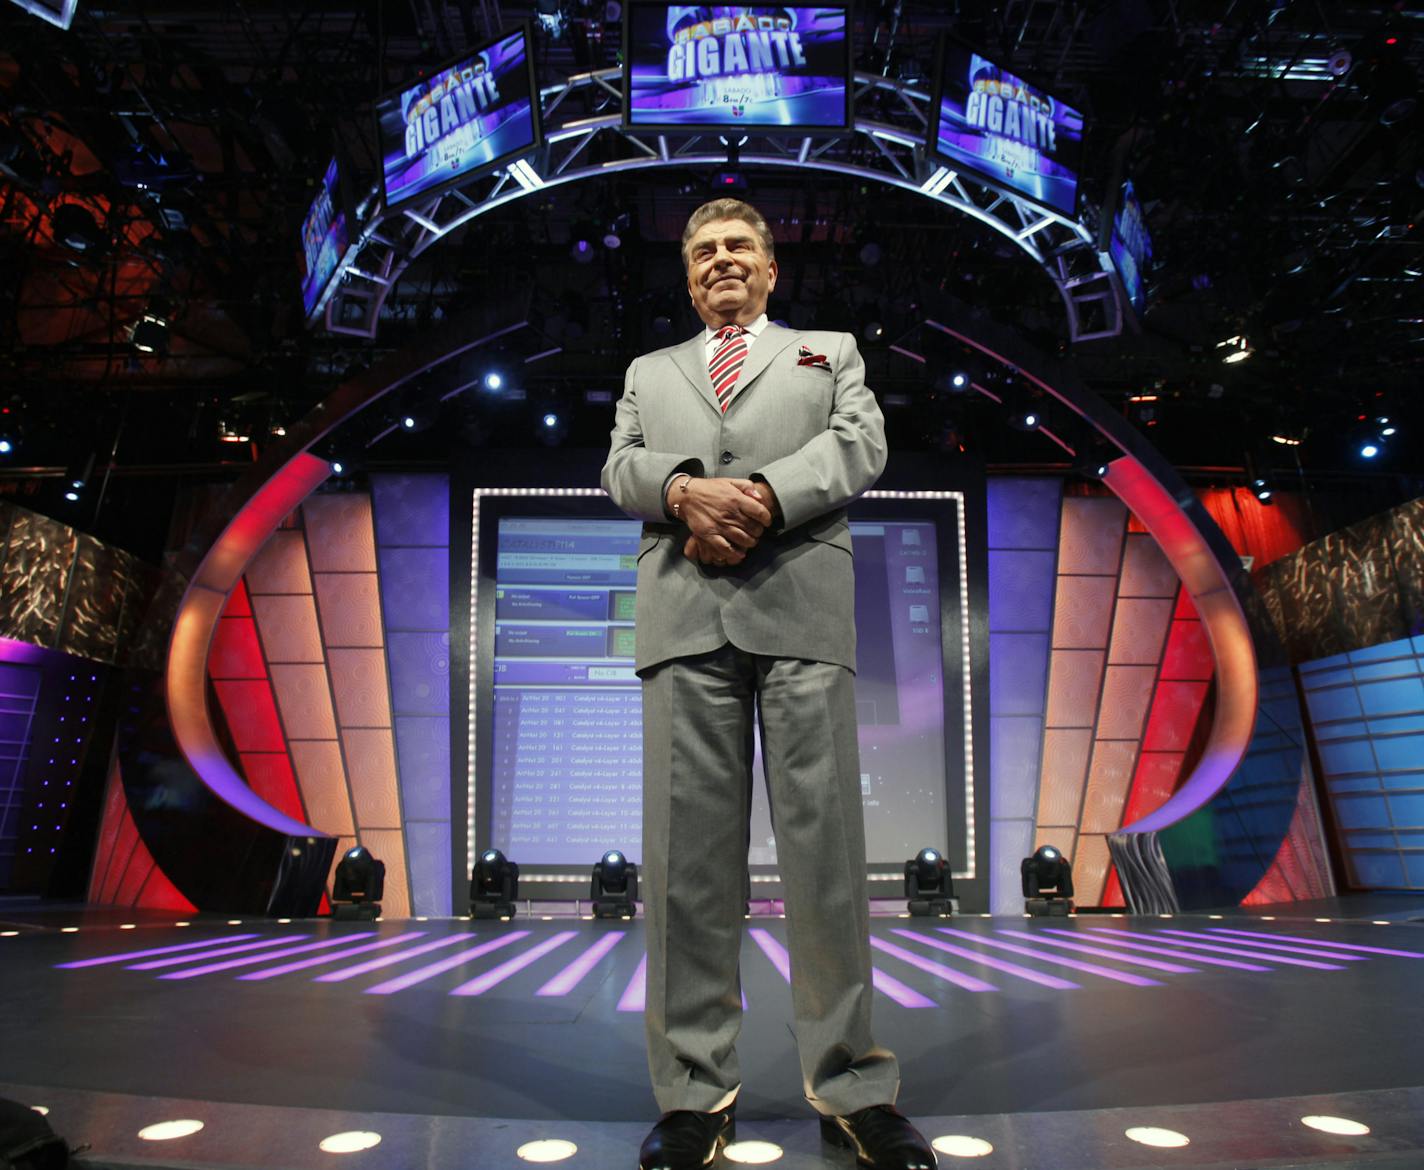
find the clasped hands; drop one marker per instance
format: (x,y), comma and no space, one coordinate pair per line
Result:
(727,517)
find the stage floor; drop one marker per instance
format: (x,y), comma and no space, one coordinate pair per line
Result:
(461,1041)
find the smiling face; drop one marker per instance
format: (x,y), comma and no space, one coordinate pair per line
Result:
(729,275)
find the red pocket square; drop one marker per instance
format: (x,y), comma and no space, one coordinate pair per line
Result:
(804,357)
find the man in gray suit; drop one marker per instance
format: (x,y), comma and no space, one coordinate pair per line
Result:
(739,450)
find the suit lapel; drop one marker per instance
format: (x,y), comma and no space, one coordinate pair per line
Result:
(772,341)
(691,359)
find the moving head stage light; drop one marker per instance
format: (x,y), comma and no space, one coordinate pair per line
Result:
(494,885)
(928,885)
(1047,883)
(358,887)
(615,887)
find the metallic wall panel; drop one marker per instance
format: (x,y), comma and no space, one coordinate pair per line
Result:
(371,773)
(1139,631)
(1092,535)
(304,696)
(1074,680)
(1146,572)
(290,632)
(281,565)
(322,777)
(39,555)
(388,846)
(1082,612)
(358,679)
(1109,777)
(100,580)
(1065,769)
(350,609)
(1127,693)
(339,534)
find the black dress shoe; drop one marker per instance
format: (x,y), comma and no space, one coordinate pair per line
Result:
(882,1137)
(686,1140)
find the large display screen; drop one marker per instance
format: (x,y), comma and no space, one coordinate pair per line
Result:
(992,122)
(326,236)
(474,113)
(1130,247)
(565,780)
(689,67)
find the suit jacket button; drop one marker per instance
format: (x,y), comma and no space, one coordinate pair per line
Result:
(727,457)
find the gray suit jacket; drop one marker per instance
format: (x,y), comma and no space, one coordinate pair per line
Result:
(816,436)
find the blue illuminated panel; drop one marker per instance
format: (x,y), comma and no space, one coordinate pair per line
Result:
(1367,711)
(19,690)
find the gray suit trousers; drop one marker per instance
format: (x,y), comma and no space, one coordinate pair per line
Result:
(697,777)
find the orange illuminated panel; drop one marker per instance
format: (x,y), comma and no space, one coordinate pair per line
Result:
(350,609)
(322,778)
(1108,782)
(1074,677)
(1065,767)
(305,698)
(289,627)
(371,767)
(339,533)
(358,678)
(1082,612)
(281,565)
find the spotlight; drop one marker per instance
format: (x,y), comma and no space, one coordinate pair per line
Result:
(494,885)
(230,431)
(359,884)
(872,325)
(415,417)
(150,332)
(8,442)
(1093,458)
(1234,349)
(494,380)
(928,886)
(1369,450)
(551,420)
(1386,427)
(74,226)
(1261,487)
(615,887)
(1026,419)
(1047,883)
(613,236)
(959,380)
(77,474)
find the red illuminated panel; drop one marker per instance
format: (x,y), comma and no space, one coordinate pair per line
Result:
(1152,783)
(251,715)
(115,810)
(1265,532)
(124,871)
(1299,872)
(236,652)
(238,603)
(1175,708)
(271,777)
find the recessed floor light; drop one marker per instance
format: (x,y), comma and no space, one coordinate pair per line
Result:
(182,924)
(1379,922)
(234,921)
(166,1131)
(547,1150)
(1324,920)
(956,1145)
(42,1110)
(350,1142)
(284,921)
(126,926)
(1151,1135)
(1337,1125)
(9,933)
(752,1153)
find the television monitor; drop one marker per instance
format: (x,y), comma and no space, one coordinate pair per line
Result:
(557,743)
(736,66)
(471,114)
(328,232)
(1020,138)
(1130,247)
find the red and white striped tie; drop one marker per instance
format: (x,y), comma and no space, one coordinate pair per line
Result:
(726,364)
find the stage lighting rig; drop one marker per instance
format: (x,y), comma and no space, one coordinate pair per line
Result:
(150,332)
(615,887)
(494,886)
(1047,883)
(74,226)
(928,885)
(1234,349)
(358,887)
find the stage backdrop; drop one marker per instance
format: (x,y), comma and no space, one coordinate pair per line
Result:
(332,674)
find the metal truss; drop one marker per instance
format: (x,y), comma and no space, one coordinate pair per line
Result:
(887,146)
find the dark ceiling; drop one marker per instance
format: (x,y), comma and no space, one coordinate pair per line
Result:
(1282,201)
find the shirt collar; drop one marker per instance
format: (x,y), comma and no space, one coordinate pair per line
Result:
(709,334)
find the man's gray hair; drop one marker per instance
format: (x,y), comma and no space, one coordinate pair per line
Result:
(727,209)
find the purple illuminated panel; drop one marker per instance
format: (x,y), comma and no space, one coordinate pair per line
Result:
(492,978)
(1321,943)
(1083,948)
(1236,952)
(1169,952)
(775,952)
(333,956)
(901,993)
(572,975)
(635,995)
(938,970)
(389,960)
(1003,965)
(1265,946)
(249,960)
(422,974)
(192,946)
(155,964)
(1091,968)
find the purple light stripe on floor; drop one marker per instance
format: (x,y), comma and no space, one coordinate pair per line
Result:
(572,975)
(1237,951)
(188,946)
(1208,960)
(1003,965)
(938,970)
(905,996)
(249,960)
(1318,942)
(198,957)
(497,975)
(635,995)
(774,951)
(390,960)
(1337,956)
(1115,956)
(421,974)
(318,960)
(1076,964)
